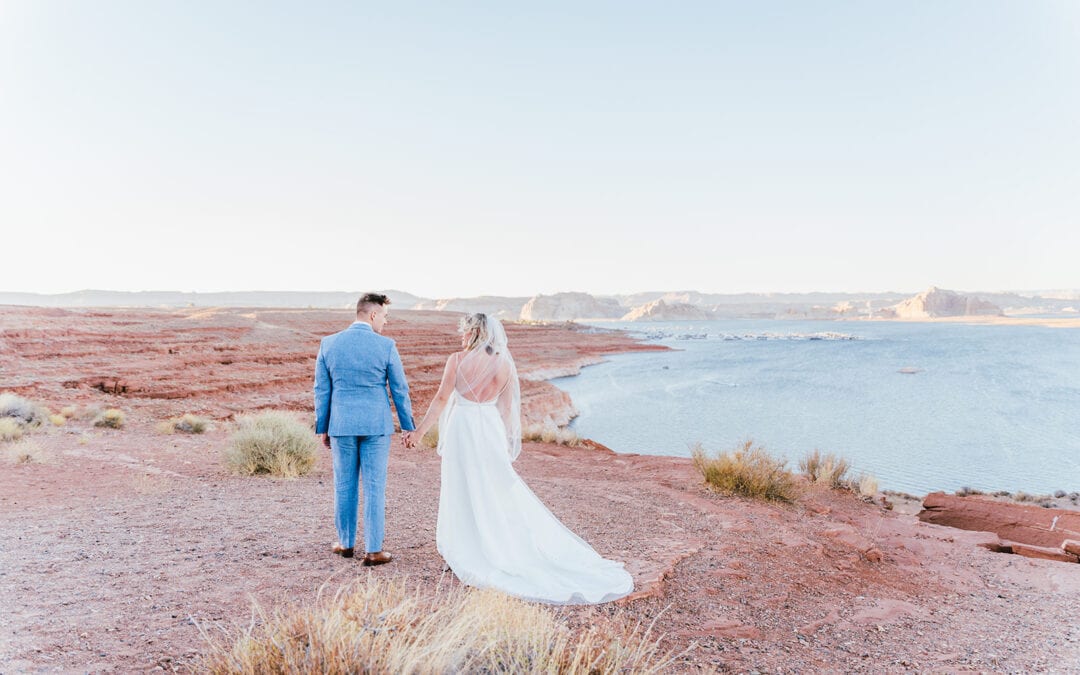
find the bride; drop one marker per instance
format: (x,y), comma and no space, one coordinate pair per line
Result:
(492,530)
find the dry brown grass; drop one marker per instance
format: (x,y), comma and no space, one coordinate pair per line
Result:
(376,625)
(10,429)
(832,470)
(113,418)
(271,442)
(26,451)
(866,486)
(747,471)
(185,424)
(431,438)
(24,411)
(825,468)
(549,433)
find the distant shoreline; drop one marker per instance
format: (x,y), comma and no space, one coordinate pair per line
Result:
(1049,322)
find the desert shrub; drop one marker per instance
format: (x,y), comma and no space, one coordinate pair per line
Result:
(747,471)
(70,411)
(188,424)
(549,433)
(1058,494)
(58,420)
(376,625)
(271,442)
(113,418)
(24,411)
(10,429)
(866,486)
(825,468)
(25,451)
(91,413)
(1002,493)
(431,438)
(966,491)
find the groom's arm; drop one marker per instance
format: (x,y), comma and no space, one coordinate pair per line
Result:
(399,390)
(324,388)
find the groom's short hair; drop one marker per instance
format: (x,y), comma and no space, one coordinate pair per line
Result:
(367,300)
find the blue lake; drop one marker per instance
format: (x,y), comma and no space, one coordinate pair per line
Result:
(921,406)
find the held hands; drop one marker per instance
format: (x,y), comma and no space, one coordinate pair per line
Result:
(411,438)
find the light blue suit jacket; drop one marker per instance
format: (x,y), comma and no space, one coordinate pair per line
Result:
(351,374)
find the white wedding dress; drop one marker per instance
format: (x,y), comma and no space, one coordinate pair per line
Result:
(492,530)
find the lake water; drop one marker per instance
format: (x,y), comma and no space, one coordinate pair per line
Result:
(921,406)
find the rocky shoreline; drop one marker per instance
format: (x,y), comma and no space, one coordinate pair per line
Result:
(127,546)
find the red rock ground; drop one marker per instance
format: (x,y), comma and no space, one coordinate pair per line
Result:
(116,554)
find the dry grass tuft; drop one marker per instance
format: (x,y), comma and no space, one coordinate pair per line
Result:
(832,470)
(549,433)
(185,424)
(70,411)
(26,451)
(377,625)
(431,438)
(113,418)
(747,471)
(10,429)
(271,442)
(24,411)
(866,486)
(825,468)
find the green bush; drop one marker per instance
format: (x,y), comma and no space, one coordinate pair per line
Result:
(271,442)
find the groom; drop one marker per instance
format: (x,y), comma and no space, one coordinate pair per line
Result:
(352,413)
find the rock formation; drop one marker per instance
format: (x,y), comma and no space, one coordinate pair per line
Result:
(501,307)
(938,302)
(658,310)
(1028,530)
(570,306)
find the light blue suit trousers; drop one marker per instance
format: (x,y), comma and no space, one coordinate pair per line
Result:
(356,456)
(352,374)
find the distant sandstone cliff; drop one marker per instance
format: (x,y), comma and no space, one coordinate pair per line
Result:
(937,302)
(658,310)
(570,306)
(501,307)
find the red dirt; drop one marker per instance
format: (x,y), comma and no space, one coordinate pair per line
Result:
(114,554)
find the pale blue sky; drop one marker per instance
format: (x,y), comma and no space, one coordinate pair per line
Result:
(453,149)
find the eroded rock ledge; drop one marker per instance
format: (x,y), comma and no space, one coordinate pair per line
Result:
(1031,531)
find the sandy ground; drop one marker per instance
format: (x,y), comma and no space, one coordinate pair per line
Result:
(119,550)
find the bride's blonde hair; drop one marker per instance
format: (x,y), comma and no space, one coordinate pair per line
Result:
(475,326)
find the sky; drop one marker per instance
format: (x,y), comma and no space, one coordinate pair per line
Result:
(458,149)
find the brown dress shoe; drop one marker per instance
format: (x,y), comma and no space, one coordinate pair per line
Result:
(377,558)
(342,551)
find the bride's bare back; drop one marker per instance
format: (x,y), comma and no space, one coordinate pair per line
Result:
(480,378)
